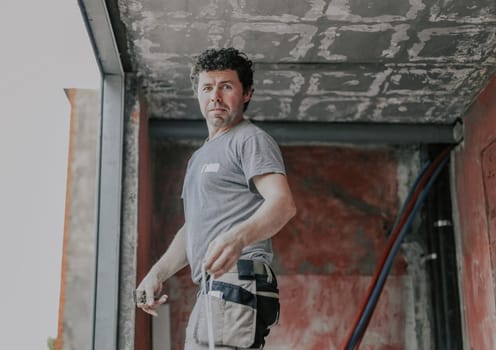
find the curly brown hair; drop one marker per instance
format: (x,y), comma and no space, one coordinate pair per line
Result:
(224,59)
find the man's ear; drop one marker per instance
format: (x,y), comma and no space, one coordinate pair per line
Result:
(247,96)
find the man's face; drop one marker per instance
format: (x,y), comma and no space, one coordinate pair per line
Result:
(221,98)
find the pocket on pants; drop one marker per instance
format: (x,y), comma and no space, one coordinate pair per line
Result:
(234,314)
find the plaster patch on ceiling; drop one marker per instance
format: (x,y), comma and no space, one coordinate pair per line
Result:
(347,84)
(400,35)
(338,40)
(361,108)
(349,109)
(408,108)
(329,35)
(313,88)
(209,9)
(270,108)
(303,34)
(378,82)
(284,107)
(352,83)
(476,12)
(145,46)
(239,43)
(129,7)
(215,31)
(281,83)
(285,11)
(341,10)
(175,109)
(240,11)
(150,21)
(297,82)
(157,64)
(458,44)
(316,10)
(416,7)
(437,81)
(180,14)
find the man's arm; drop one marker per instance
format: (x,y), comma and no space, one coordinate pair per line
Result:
(173,260)
(277,209)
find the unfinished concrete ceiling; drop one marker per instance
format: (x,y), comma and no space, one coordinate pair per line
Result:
(393,61)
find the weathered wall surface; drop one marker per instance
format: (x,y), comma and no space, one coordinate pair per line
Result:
(475,176)
(168,164)
(130,214)
(347,199)
(78,264)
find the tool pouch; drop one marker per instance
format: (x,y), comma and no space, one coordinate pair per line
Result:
(234,312)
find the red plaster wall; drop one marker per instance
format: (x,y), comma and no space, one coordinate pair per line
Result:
(475,174)
(169,163)
(347,200)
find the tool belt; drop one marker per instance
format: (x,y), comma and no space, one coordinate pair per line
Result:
(249,269)
(244,304)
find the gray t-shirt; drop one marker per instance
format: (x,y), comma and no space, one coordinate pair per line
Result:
(218,191)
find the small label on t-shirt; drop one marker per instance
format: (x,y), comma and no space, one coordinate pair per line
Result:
(210,168)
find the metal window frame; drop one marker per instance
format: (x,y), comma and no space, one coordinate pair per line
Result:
(109,177)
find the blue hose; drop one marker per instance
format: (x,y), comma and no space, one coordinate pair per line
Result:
(399,216)
(394,250)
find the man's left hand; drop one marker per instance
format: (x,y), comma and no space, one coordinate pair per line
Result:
(222,253)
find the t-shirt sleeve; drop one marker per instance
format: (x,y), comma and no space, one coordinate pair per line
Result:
(260,155)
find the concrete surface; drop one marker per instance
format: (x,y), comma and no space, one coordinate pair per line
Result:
(415,61)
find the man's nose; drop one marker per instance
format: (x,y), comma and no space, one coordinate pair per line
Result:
(215,96)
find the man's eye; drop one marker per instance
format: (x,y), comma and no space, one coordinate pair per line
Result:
(206,88)
(226,87)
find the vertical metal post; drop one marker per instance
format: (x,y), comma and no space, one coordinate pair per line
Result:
(109,177)
(105,324)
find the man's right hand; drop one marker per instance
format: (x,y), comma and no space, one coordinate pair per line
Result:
(171,261)
(150,288)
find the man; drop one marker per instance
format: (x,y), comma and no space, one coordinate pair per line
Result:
(236,198)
